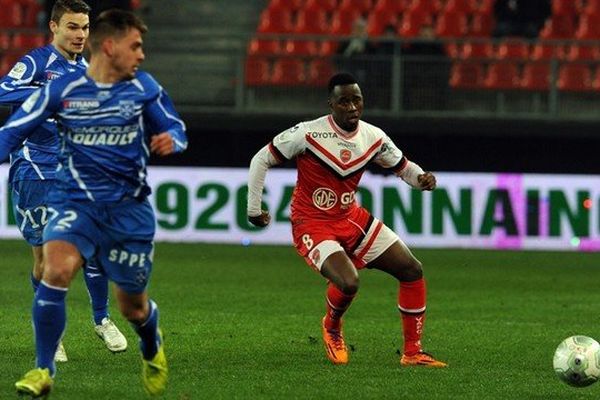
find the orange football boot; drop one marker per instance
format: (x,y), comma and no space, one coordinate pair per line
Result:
(423,359)
(335,347)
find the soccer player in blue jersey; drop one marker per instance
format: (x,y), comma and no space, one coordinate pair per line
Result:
(33,166)
(110,118)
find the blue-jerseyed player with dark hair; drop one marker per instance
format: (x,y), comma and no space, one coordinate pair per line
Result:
(110,118)
(33,166)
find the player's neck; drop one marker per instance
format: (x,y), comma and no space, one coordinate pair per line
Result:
(102,74)
(344,131)
(64,53)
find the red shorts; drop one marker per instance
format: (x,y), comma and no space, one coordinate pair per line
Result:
(360,235)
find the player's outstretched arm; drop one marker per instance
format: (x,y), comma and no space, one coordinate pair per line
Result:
(17,86)
(166,124)
(414,175)
(32,113)
(260,164)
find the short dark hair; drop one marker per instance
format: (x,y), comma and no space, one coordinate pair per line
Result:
(61,7)
(341,78)
(114,23)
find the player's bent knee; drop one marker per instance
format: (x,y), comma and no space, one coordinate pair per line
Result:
(413,271)
(349,285)
(136,315)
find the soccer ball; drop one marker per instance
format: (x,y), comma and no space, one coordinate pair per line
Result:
(577,361)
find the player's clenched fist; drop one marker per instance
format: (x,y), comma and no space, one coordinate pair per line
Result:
(162,144)
(261,220)
(427,181)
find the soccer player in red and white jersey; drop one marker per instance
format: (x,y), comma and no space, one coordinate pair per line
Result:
(335,235)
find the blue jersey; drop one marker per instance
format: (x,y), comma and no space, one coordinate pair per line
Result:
(36,159)
(104,131)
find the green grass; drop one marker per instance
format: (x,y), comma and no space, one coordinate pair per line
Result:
(245,323)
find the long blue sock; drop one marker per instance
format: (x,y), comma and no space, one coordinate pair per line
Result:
(97,285)
(49,321)
(148,333)
(35,283)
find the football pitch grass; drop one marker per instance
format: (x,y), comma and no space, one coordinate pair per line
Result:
(244,322)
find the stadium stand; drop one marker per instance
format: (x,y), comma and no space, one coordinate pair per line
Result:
(478,61)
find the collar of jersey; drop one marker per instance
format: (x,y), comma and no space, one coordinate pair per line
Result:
(344,133)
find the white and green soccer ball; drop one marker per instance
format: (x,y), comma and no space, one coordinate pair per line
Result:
(577,361)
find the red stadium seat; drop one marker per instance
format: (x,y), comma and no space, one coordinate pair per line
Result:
(11,15)
(28,41)
(481,25)
(5,41)
(412,23)
(31,11)
(574,77)
(512,49)
(319,72)
(589,27)
(288,72)
(288,5)
(477,50)
(485,7)
(257,71)
(9,59)
(428,7)
(453,49)
(543,51)
(564,8)
(264,47)
(328,48)
(502,75)
(451,25)
(301,47)
(536,76)
(362,6)
(378,21)
(459,6)
(275,21)
(592,8)
(558,27)
(343,20)
(466,75)
(583,53)
(392,6)
(325,5)
(311,21)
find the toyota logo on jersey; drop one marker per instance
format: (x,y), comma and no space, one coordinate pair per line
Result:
(324,198)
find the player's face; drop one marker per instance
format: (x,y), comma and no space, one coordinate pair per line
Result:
(128,54)
(346,104)
(70,33)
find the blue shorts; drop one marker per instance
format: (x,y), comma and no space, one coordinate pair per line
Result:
(115,237)
(30,200)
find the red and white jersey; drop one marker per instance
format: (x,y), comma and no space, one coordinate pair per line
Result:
(330,163)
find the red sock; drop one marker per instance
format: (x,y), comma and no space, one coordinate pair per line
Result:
(411,303)
(337,304)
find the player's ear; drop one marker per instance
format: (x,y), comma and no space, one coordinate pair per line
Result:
(108,47)
(53,27)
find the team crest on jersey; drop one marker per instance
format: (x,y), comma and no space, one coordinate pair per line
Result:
(345,155)
(324,198)
(80,104)
(127,108)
